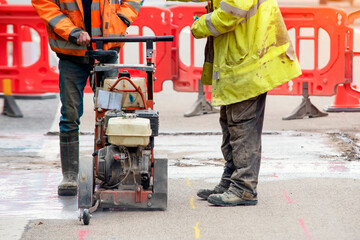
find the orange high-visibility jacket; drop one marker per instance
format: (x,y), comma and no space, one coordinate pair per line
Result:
(64,20)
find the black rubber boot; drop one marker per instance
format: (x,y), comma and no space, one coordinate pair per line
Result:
(69,155)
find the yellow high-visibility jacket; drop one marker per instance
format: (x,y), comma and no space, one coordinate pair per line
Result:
(252,50)
(64,21)
(186,0)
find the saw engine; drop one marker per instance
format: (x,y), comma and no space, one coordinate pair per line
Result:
(126,160)
(121,166)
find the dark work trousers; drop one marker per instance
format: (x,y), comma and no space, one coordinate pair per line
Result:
(241,125)
(72,80)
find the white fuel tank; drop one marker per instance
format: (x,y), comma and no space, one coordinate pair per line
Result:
(131,132)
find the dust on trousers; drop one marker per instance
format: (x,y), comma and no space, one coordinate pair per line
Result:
(241,125)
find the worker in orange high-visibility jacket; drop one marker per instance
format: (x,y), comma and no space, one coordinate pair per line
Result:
(70,25)
(252,55)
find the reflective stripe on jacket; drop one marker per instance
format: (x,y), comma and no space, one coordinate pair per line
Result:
(64,20)
(252,50)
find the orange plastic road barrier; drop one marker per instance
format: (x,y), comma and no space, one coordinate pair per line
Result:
(348,87)
(186,76)
(347,98)
(308,23)
(38,77)
(306,26)
(3,47)
(157,21)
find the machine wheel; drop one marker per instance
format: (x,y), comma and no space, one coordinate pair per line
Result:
(86,217)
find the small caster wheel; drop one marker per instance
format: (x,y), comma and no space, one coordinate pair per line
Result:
(86,217)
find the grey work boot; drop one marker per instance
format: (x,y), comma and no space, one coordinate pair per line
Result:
(205,193)
(228,198)
(69,155)
(223,186)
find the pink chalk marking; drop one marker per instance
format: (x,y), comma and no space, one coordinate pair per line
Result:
(287,197)
(305,229)
(275,175)
(82,234)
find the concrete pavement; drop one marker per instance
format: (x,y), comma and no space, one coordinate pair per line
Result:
(294,209)
(308,186)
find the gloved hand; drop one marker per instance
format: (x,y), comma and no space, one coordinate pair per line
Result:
(207,72)
(199,28)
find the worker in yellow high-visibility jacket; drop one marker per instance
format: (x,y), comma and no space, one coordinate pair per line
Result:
(252,55)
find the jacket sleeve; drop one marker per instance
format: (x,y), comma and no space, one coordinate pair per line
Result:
(128,11)
(50,12)
(223,19)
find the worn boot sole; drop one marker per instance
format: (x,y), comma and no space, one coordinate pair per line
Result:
(69,191)
(229,204)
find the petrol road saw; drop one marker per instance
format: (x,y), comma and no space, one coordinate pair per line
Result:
(123,172)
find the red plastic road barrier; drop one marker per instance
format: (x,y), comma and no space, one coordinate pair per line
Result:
(322,80)
(158,21)
(3,47)
(348,86)
(38,77)
(186,76)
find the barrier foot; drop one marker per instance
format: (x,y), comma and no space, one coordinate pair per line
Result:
(306,109)
(11,109)
(201,106)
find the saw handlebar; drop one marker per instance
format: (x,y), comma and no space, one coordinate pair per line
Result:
(133,39)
